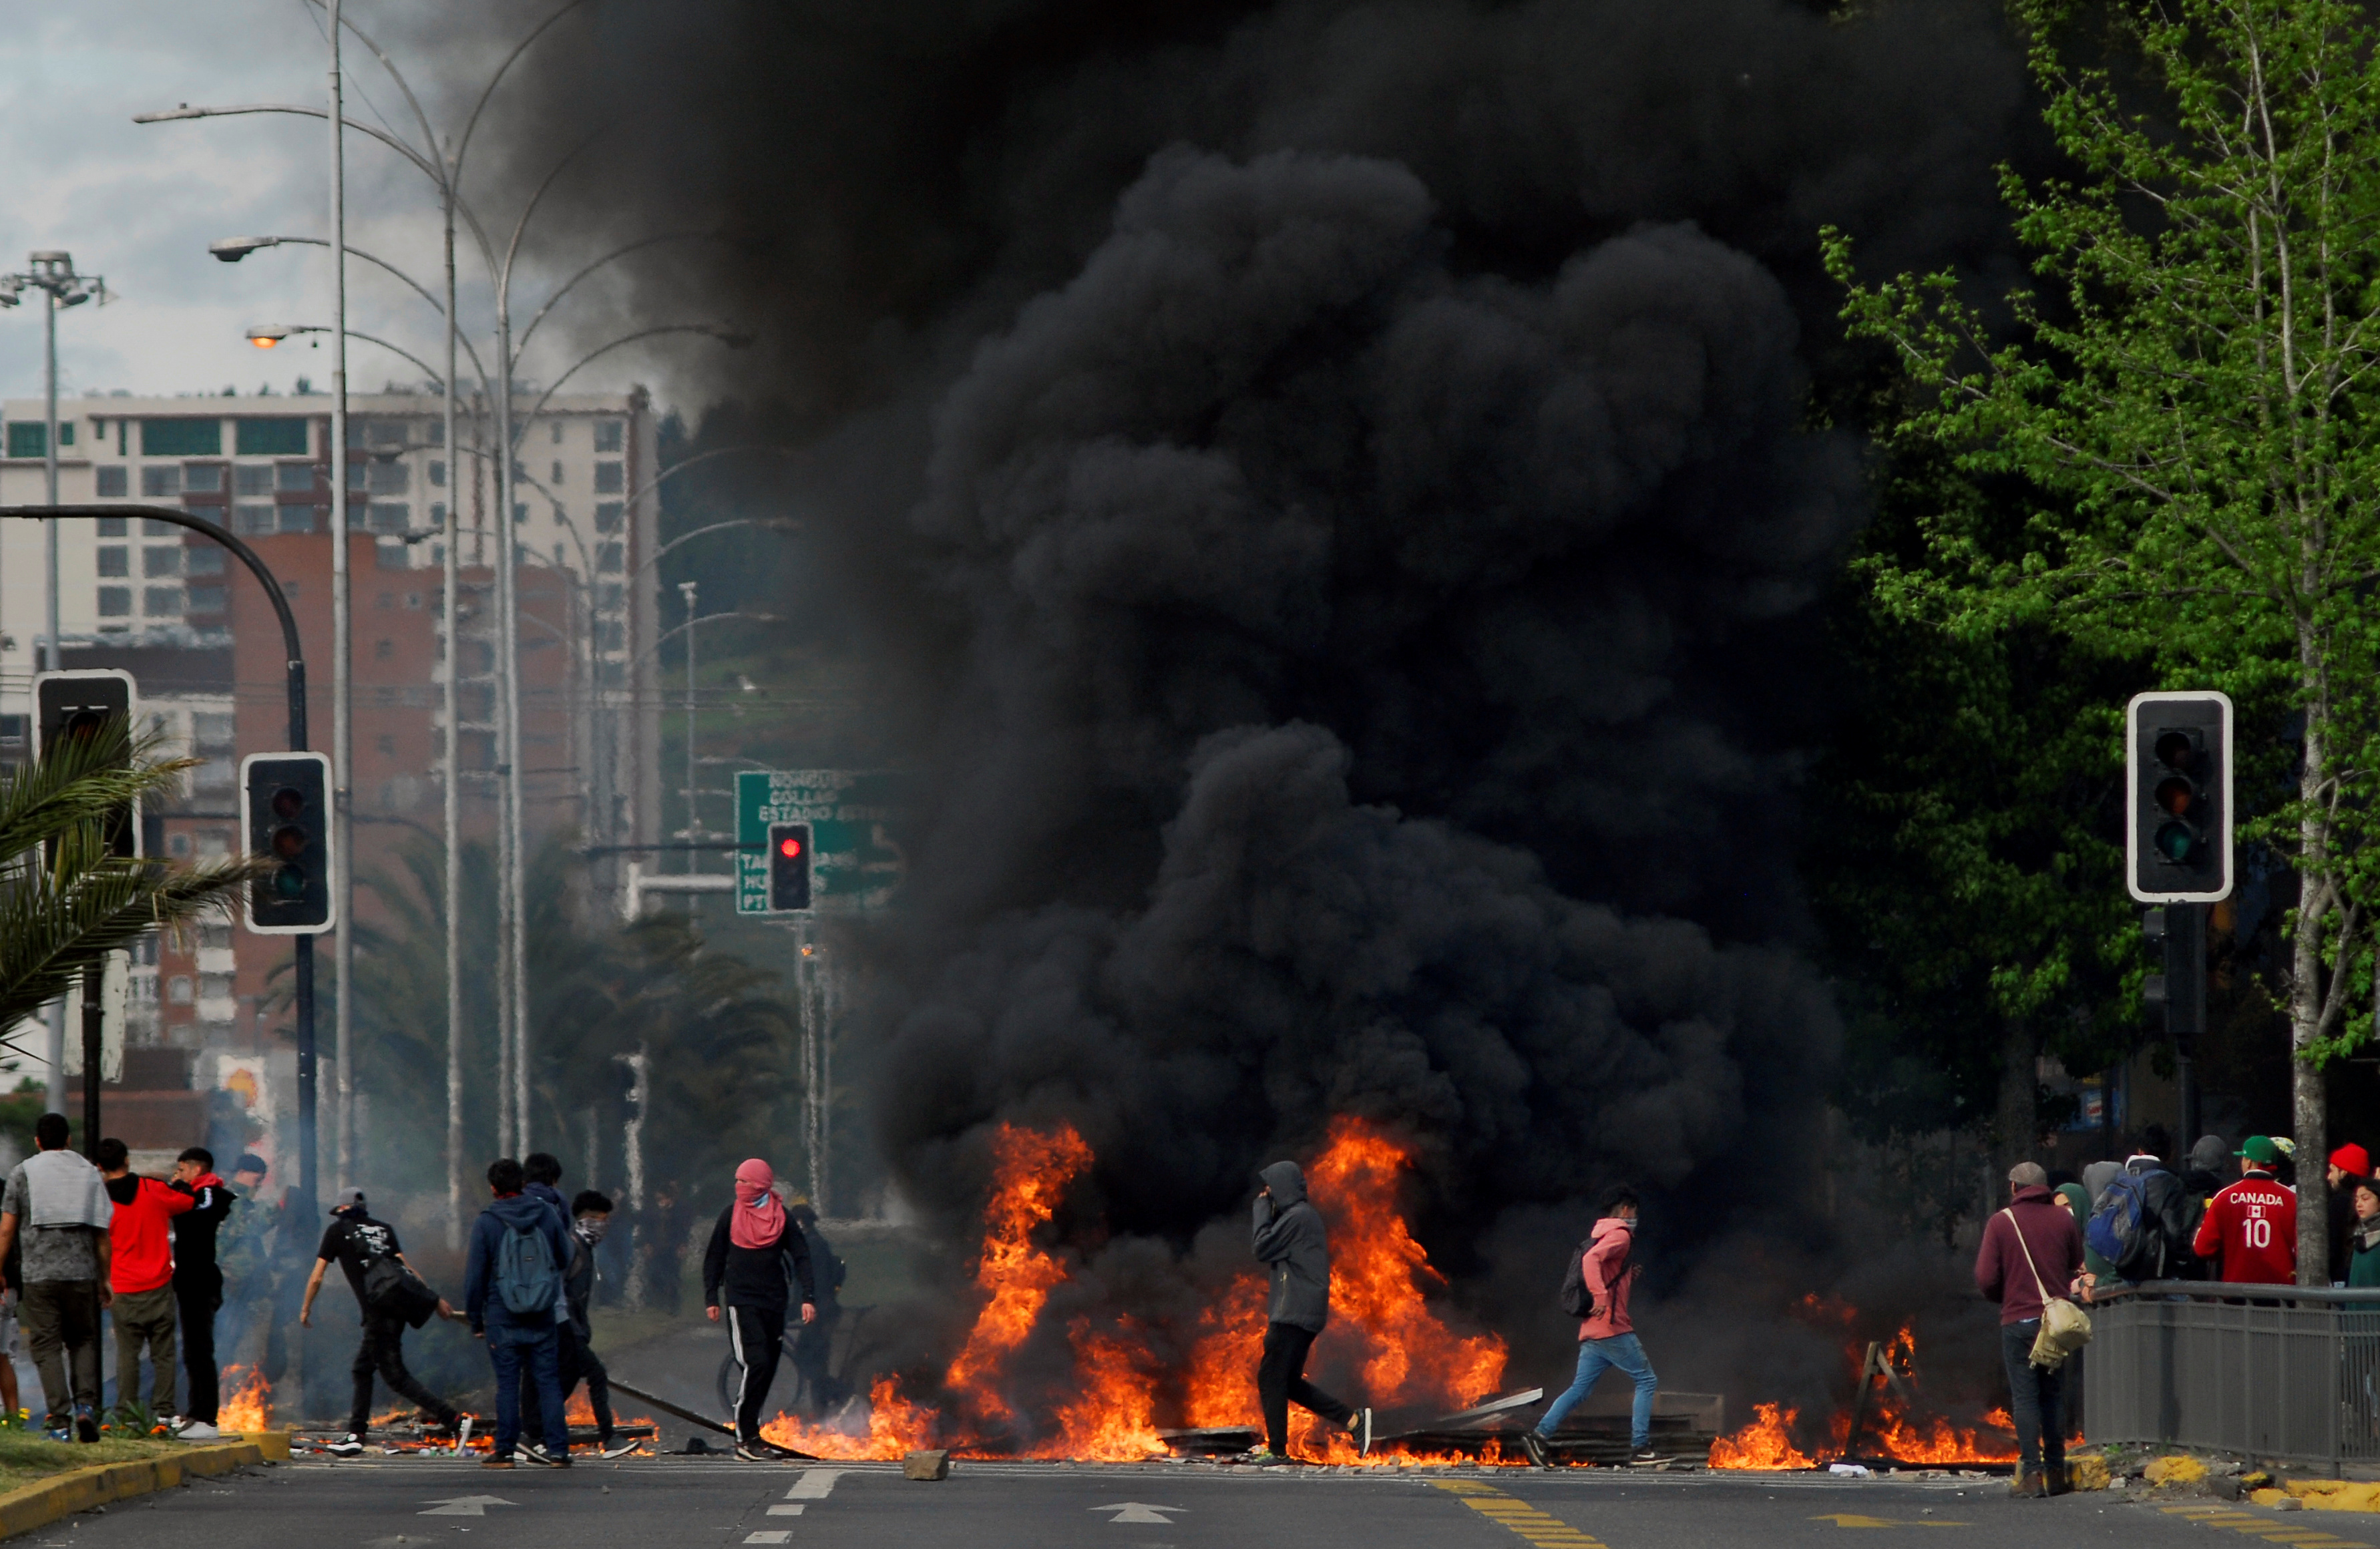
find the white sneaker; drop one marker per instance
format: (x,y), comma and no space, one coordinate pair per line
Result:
(197,1431)
(348,1446)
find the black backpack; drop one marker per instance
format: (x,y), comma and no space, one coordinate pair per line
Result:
(1576,1302)
(393,1290)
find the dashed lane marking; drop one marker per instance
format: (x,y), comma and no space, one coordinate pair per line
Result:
(781,1510)
(1852,1519)
(2265,1527)
(769,1535)
(815,1485)
(1520,1517)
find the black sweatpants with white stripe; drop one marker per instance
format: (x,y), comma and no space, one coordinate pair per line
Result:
(758,1336)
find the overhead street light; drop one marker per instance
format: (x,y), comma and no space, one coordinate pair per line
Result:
(231,249)
(265,335)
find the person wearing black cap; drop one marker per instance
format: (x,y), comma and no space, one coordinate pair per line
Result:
(354,1242)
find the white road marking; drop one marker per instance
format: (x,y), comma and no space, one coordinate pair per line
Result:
(1138,1511)
(768,1535)
(465,1505)
(815,1485)
(785,1511)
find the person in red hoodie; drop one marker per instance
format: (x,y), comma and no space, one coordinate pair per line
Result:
(141,1275)
(2033,1246)
(1606,1339)
(2252,1224)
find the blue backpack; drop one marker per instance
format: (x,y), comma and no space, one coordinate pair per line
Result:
(526,1274)
(2118,1231)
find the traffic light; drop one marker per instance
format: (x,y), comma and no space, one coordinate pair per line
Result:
(789,867)
(288,808)
(83,706)
(2178,842)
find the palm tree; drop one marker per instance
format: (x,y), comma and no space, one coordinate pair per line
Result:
(66,901)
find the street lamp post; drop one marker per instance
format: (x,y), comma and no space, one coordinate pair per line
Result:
(343,725)
(693,829)
(53,273)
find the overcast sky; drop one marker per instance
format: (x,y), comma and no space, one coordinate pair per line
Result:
(139,203)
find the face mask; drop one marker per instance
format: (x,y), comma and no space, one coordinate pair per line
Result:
(590,1230)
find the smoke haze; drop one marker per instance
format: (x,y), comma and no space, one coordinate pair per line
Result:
(1343,479)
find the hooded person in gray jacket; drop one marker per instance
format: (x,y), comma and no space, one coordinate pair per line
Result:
(1289,1237)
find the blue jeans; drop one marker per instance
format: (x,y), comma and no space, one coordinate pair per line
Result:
(1622,1353)
(541,1358)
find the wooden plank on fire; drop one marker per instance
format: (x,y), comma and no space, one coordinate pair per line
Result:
(1211,1439)
(1466,1419)
(690,1417)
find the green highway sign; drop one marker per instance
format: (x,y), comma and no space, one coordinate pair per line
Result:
(856,863)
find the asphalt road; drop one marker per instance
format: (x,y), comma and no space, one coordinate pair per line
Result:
(686,1503)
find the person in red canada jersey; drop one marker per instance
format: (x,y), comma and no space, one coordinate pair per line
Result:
(2252,1225)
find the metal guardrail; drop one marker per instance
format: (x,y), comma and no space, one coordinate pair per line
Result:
(2290,1374)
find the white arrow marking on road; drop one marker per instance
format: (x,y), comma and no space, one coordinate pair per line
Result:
(465,1505)
(1138,1511)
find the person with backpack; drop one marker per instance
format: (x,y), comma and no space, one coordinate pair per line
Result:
(2252,1224)
(513,1295)
(590,1216)
(2141,1224)
(757,1255)
(2027,1249)
(368,1252)
(1594,1290)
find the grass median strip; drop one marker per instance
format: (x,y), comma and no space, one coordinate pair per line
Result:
(1518,1515)
(45,1500)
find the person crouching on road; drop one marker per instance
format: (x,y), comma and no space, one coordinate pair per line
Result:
(140,1273)
(1607,1338)
(1289,1237)
(757,1255)
(512,1294)
(2028,1248)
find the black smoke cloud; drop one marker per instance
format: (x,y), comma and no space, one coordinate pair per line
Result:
(1353,468)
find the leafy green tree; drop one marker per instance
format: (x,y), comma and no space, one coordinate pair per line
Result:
(65,902)
(2188,423)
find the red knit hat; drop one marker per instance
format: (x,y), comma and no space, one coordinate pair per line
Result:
(2353,1159)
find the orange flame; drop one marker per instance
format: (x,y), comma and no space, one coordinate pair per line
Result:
(1112,1420)
(1030,1173)
(1767,1443)
(247,1406)
(895,1426)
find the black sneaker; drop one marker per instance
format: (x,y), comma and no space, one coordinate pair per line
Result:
(1362,1431)
(1534,1446)
(756,1452)
(87,1428)
(532,1453)
(349,1445)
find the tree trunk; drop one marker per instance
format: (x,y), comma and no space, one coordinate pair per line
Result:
(2317,895)
(2017,1126)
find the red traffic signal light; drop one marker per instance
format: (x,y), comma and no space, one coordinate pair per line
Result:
(789,867)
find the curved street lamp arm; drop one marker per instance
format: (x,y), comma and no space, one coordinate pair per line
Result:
(668,634)
(373,339)
(471,126)
(521,343)
(460,337)
(429,135)
(407,151)
(716,526)
(712,330)
(552,174)
(685,463)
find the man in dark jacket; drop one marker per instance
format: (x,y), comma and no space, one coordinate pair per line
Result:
(197,1286)
(2168,1222)
(524,1336)
(747,1272)
(1289,1234)
(354,1242)
(813,1342)
(541,1173)
(591,1219)
(2031,1247)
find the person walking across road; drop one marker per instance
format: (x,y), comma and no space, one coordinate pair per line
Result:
(590,1217)
(512,1292)
(1606,1339)
(360,1246)
(1290,1236)
(198,1287)
(2252,1224)
(140,1273)
(757,1255)
(2031,1251)
(541,1179)
(56,1209)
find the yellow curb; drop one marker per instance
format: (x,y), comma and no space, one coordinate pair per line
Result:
(45,1500)
(2335,1495)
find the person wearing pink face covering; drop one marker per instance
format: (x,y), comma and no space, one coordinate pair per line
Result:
(757,1256)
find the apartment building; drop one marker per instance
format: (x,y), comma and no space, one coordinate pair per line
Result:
(175,608)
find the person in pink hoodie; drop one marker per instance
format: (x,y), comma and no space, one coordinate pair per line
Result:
(1606,1339)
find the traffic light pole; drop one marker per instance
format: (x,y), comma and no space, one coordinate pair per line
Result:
(308,1187)
(2178,930)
